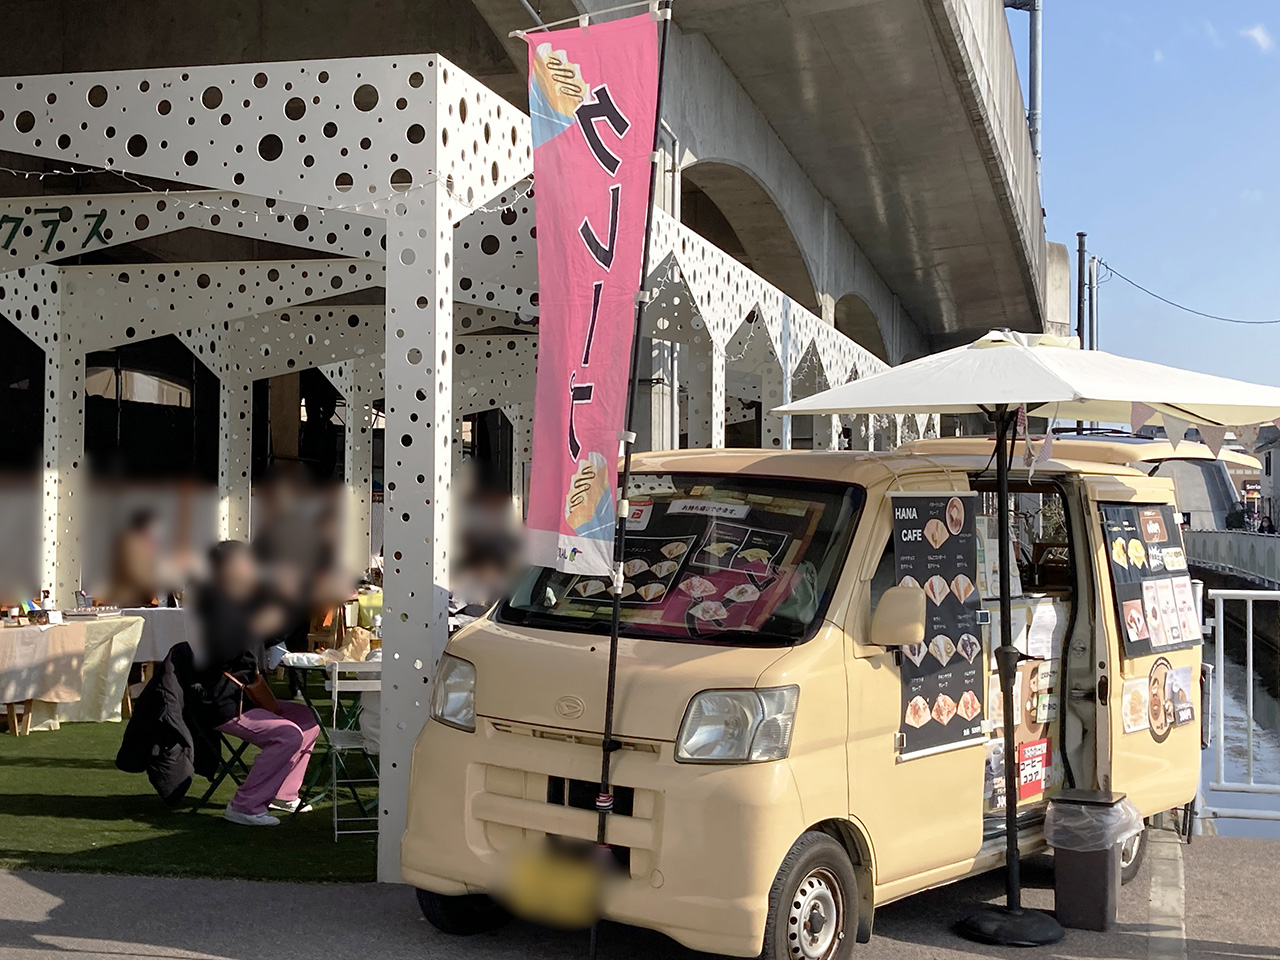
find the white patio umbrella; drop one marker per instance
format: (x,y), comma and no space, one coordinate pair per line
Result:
(1052,376)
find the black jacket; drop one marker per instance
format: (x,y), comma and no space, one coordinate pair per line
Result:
(167,736)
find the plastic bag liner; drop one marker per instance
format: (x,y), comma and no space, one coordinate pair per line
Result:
(1086,828)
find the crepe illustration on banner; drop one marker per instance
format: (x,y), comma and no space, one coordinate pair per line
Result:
(556,90)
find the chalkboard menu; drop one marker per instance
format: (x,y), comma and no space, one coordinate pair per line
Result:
(936,548)
(1149,578)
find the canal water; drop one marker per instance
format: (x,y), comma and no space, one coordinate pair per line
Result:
(1235,745)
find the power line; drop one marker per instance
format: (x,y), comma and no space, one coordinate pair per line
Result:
(1179,306)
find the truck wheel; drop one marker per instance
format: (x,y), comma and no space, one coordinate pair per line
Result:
(462,916)
(812,903)
(1132,854)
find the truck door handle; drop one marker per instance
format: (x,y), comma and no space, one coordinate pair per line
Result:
(1103,688)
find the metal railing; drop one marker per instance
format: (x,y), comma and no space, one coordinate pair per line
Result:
(1221,783)
(1255,556)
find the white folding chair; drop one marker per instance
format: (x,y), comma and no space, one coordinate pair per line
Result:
(345,740)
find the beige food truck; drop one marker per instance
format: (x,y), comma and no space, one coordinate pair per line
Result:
(801,738)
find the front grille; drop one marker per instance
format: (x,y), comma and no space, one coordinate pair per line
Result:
(581,794)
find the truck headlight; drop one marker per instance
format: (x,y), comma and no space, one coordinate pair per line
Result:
(738,726)
(453,695)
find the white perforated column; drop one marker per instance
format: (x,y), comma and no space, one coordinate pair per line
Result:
(366,386)
(235,455)
(520,415)
(417,467)
(826,432)
(704,374)
(63,480)
(775,390)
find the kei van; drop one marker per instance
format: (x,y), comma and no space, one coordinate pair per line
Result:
(790,755)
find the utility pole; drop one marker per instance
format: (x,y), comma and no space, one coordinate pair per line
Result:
(1093,304)
(1035,49)
(1080,294)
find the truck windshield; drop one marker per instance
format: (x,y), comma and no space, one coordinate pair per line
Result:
(709,559)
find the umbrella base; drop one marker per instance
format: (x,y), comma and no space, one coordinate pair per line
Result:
(1010,928)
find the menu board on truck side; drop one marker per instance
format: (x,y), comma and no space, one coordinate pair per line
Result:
(936,548)
(1149,578)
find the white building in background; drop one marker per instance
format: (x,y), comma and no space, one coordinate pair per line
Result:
(345,189)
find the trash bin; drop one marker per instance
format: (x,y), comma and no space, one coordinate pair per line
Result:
(1086,829)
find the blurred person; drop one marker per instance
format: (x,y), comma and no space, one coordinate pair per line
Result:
(1267,527)
(239,613)
(139,570)
(297,547)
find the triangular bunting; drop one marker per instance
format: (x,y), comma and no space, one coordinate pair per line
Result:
(1248,436)
(1213,436)
(1175,428)
(1139,415)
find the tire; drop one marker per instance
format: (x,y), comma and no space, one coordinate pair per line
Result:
(1132,854)
(815,885)
(461,916)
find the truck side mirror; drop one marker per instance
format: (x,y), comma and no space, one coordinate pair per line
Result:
(899,619)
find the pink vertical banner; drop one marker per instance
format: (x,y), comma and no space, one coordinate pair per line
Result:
(592,100)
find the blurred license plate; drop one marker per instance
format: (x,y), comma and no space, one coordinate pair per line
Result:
(555,889)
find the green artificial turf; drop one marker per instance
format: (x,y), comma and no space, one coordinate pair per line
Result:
(64,806)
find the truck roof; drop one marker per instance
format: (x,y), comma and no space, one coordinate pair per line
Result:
(858,467)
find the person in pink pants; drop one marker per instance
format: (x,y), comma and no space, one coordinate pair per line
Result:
(276,777)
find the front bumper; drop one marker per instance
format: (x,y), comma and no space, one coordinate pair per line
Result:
(704,842)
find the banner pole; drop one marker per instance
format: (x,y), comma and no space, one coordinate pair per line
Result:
(604,799)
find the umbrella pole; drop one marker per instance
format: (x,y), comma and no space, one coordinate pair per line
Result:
(1009,925)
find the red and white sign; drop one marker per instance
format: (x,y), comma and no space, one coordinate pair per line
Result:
(593,95)
(1033,769)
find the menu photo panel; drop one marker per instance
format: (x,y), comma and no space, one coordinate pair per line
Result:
(943,687)
(1150,581)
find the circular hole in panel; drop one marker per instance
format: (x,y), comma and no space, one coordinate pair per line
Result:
(414,356)
(462,110)
(211,98)
(401,180)
(25,122)
(191,158)
(406,441)
(137,145)
(163,108)
(64,141)
(141,222)
(490,244)
(97,95)
(270,147)
(416,133)
(295,108)
(366,97)
(260,80)
(203,281)
(415,79)
(407,256)
(330,130)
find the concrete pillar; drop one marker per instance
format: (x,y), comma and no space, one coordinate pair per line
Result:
(417,464)
(705,376)
(62,489)
(235,456)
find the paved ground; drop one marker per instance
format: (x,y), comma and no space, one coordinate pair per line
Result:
(1229,910)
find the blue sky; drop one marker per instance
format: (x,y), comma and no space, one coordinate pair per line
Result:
(1162,141)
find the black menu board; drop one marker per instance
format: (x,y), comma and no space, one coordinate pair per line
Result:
(936,548)
(1149,578)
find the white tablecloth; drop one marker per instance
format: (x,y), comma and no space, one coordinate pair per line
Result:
(162,628)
